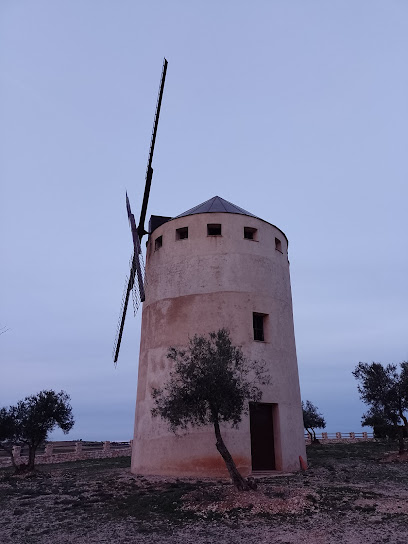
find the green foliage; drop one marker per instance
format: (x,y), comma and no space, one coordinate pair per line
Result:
(32,419)
(210,382)
(385,390)
(7,425)
(37,415)
(312,419)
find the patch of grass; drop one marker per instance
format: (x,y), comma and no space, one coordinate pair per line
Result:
(89,465)
(324,454)
(356,462)
(153,503)
(365,509)
(342,498)
(277,494)
(278,517)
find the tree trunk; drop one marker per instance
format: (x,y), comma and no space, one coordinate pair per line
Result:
(31,457)
(240,483)
(401,439)
(315,439)
(404,419)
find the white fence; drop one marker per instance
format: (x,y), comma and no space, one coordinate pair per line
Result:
(61,452)
(340,437)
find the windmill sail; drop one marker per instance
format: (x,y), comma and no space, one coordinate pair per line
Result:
(136,281)
(149,170)
(138,289)
(123,309)
(134,284)
(137,260)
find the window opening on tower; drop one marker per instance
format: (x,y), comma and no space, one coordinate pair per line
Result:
(158,243)
(250,233)
(214,229)
(258,324)
(278,245)
(182,234)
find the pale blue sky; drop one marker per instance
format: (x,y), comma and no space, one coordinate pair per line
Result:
(294,110)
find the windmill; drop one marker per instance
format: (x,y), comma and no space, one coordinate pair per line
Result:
(135,282)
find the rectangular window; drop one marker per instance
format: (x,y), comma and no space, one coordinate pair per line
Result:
(213,230)
(259,322)
(182,234)
(250,233)
(158,243)
(278,244)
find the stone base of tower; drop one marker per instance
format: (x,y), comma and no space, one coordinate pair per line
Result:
(184,457)
(194,454)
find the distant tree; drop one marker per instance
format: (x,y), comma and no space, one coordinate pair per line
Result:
(211,382)
(312,420)
(32,419)
(8,431)
(383,426)
(385,390)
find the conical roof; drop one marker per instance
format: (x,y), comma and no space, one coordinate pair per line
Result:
(216,204)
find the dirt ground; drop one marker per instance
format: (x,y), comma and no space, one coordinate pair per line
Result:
(348,495)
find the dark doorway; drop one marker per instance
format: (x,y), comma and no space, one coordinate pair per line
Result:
(262,445)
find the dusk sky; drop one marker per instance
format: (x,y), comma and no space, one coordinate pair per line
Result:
(296,111)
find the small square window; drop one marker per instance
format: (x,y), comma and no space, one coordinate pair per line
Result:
(158,243)
(214,230)
(258,323)
(182,234)
(250,233)
(278,244)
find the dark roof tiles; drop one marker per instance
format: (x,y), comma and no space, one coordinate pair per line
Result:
(216,204)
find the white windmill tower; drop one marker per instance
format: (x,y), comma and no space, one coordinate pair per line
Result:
(217,266)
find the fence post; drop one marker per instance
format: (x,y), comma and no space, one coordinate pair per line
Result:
(338,435)
(324,436)
(352,435)
(48,450)
(365,436)
(106,446)
(16,454)
(131,444)
(78,449)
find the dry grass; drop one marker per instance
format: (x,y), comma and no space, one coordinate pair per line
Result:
(348,495)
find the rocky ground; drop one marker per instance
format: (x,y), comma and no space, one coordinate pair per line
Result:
(351,493)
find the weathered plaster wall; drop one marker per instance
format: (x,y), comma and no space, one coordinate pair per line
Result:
(201,284)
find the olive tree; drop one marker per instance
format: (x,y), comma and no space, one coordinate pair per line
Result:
(312,420)
(211,382)
(31,420)
(385,390)
(8,432)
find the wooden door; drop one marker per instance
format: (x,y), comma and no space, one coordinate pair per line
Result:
(262,443)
